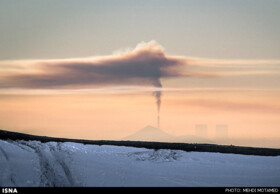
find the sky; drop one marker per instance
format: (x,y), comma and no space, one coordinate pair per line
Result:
(105,69)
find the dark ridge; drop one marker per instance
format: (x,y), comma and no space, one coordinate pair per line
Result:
(8,135)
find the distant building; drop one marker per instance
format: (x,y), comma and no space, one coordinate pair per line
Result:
(201,130)
(221,131)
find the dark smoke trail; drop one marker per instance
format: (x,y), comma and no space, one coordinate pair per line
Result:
(157,94)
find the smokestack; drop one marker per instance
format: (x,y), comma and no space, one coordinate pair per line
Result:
(158,121)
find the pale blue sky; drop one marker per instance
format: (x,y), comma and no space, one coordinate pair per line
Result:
(243,29)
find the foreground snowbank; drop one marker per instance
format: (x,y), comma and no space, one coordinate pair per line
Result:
(32,163)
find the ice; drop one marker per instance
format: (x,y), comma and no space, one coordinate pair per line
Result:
(32,163)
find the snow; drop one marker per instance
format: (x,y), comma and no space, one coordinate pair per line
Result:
(32,163)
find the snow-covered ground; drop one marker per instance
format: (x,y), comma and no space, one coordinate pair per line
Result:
(32,163)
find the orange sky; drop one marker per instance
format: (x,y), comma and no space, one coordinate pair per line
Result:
(110,97)
(113,116)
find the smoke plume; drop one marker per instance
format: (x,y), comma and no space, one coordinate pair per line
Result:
(157,95)
(143,66)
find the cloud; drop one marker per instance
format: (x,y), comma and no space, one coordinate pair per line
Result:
(231,106)
(131,90)
(232,63)
(144,65)
(243,73)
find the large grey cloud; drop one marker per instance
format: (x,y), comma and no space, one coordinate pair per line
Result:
(142,66)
